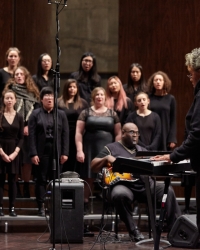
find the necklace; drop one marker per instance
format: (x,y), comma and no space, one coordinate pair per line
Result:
(131,151)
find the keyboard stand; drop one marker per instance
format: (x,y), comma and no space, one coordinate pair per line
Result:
(156,229)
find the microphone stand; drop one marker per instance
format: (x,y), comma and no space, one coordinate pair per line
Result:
(55,165)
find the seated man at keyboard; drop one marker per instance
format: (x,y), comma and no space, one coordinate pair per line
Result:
(123,193)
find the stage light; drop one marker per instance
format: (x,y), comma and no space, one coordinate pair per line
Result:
(49,1)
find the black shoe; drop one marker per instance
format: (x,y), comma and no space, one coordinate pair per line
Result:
(1,211)
(136,235)
(12,212)
(41,211)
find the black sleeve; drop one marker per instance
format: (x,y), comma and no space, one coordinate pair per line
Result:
(131,117)
(172,133)
(32,124)
(189,146)
(65,135)
(156,137)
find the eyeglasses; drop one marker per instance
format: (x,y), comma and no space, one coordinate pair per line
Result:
(49,96)
(190,75)
(132,132)
(87,61)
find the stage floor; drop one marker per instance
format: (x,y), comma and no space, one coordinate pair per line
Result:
(35,235)
(38,241)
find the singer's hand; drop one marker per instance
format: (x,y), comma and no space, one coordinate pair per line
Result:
(63,159)
(35,160)
(80,156)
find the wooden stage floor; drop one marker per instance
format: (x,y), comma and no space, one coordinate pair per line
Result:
(35,236)
(34,241)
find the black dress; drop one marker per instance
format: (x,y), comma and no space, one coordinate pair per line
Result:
(165,107)
(10,138)
(99,131)
(72,116)
(86,87)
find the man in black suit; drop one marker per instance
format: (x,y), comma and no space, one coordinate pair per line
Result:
(41,136)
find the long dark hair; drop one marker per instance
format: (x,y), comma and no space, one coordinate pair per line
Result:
(92,74)
(65,95)
(141,82)
(40,71)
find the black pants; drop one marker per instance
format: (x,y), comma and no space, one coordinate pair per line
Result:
(12,191)
(44,172)
(198,198)
(122,196)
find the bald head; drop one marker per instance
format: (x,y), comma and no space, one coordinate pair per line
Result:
(129,126)
(130,135)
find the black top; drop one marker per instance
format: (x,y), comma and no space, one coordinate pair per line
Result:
(123,114)
(71,113)
(38,128)
(149,127)
(72,116)
(4,77)
(48,123)
(99,131)
(165,107)
(86,86)
(190,148)
(42,82)
(10,138)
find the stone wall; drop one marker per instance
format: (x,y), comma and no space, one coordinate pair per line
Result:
(87,25)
